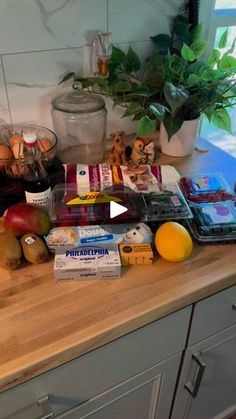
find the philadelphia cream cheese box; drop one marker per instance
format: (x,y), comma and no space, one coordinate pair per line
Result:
(87,262)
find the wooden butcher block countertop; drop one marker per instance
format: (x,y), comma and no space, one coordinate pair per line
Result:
(44,324)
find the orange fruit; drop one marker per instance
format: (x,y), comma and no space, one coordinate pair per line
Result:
(173,242)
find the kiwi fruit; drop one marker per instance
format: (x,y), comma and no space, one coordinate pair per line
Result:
(34,248)
(11,252)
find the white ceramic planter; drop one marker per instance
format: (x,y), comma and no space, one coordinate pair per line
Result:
(182,143)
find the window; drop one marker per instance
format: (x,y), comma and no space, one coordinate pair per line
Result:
(224,4)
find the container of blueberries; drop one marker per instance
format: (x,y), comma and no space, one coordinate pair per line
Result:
(166,204)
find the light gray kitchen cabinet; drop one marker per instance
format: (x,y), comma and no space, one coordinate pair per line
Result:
(136,371)
(213,314)
(207,384)
(147,395)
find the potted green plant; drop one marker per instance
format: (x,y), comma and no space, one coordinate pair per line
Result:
(175,85)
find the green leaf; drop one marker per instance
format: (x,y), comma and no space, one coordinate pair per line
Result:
(198,47)
(219,74)
(162,41)
(221,119)
(67,77)
(132,109)
(172,125)
(153,71)
(141,90)
(232,90)
(158,110)
(155,60)
(208,74)
(141,94)
(145,126)
(187,53)
(192,79)
(209,111)
(116,101)
(232,48)
(175,96)
(91,81)
(100,81)
(181,18)
(196,31)
(86,82)
(227,62)
(112,70)
(121,86)
(132,61)
(223,39)
(226,101)
(117,56)
(197,67)
(181,28)
(214,57)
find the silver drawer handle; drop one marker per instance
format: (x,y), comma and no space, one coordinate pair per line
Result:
(45,407)
(193,388)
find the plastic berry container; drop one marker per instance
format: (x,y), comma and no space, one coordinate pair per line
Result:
(68,208)
(205,188)
(214,222)
(168,203)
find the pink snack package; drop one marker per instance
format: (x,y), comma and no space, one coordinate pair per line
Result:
(143,178)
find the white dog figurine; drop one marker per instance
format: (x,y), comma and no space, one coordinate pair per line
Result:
(140,234)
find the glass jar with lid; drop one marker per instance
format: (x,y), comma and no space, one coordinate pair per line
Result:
(79,120)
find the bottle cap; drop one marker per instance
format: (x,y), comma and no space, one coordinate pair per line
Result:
(29,138)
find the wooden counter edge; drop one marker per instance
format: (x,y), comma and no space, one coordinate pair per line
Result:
(81,343)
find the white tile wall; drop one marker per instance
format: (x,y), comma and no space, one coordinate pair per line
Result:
(34,25)
(32,79)
(136,20)
(4,108)
(41,40)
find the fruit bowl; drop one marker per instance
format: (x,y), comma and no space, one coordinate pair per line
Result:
(12,160)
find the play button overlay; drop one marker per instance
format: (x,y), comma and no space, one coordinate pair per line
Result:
(116,209)
(122,206)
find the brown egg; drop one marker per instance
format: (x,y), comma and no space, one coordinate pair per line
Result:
(18,150)
(44,144)
(5,152)
(15,139)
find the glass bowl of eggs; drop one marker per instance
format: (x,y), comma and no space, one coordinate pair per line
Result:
(12,161)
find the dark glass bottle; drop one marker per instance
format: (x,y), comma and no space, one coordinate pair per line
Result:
(35,180)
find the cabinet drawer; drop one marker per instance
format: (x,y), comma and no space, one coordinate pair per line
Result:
(213,314)
(136,398)
(77,381)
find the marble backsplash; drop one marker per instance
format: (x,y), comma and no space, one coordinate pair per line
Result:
(42,40)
